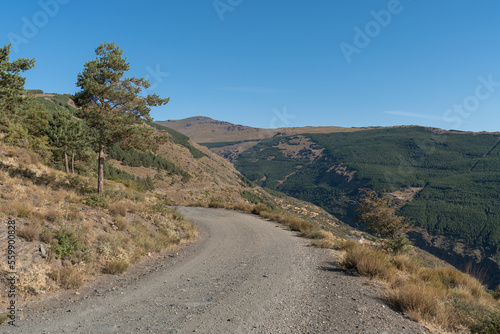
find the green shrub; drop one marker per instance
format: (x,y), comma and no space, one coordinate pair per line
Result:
(96,200)
(67,245)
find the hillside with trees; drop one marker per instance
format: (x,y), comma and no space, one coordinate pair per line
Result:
(447,181)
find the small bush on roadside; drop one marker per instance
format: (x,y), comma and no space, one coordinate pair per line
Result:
(116,266)
(368,262)
(244,207)
(417,299)
(216,202)
(404,263)
(68,277)
(297,224)
(67,245)
(257,209)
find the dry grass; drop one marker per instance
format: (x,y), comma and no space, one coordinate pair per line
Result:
(404,262)
(443,296)
(47,236)
(120,223)
(29,232)
(257,209)
(297,224)
(117,266)
(34,279)
(52,215)
(118,208)
(17,209)
(216,202)
(417,299)
(243,207)
(68,277)
(369,262)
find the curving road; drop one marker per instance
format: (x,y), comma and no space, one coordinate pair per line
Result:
(244,275)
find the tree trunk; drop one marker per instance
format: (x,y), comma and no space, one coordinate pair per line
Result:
(100,172)
(66,162)
(73,163)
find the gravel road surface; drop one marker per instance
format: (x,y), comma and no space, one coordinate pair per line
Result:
(244,275)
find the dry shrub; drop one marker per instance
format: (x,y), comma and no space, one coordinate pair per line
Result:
(52,215)
(74,214)
(419,300)
(68,277)
(132,207)
(120,223)
(297,224)
(451,278)
(368,262)
(23,210)
(216,202)
(11,153)
(146,240)
(257,209)
(327,240)
(272,215)
(17,209)
(189,231)
(315,233)
(244,207)
(116,266)
(34,279)
(47,236)
(323,243)
(29,232)
(118,208)
(404,263)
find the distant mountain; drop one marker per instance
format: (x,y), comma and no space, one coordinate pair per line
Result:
(206,130)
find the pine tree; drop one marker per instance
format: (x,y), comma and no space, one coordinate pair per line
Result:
(112,107)
(11,84)
(66,135)
(379,213)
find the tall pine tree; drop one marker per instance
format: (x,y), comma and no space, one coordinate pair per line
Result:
(11,84)
(111,105)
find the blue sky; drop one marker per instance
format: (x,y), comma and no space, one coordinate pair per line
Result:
(280,62)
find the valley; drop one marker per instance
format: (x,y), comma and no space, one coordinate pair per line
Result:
(452,177)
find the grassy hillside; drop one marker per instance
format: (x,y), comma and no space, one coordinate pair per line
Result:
(67,235)
(454,177)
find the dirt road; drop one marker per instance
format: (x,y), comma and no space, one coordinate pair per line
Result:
(244,275)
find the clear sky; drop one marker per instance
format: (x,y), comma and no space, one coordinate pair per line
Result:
(280,63)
